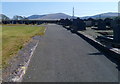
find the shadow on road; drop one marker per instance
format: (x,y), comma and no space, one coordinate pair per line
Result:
(98,53)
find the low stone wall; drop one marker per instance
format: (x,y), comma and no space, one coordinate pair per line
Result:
(110,52)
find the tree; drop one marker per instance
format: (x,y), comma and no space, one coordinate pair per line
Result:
(4,17)
(16,17)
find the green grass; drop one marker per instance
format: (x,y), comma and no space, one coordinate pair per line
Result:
(14,37)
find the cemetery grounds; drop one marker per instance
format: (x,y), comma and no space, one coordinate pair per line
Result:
(15,37)
(93,33)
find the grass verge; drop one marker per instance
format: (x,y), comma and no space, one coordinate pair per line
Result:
(14,37)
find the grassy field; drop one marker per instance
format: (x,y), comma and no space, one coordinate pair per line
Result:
(14,37)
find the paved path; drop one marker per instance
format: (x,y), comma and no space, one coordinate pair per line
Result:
(65,57)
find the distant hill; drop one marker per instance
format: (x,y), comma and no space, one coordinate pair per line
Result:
(64,16)
(103,15)
(57,16)
(35,16)
(54,16)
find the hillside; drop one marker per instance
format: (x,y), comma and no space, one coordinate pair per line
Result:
(57,16)
(103,15)
(50,16)
(35,16)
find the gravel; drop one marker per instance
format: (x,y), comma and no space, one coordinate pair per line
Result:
(19,60)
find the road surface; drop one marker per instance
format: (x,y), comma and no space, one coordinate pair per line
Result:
(65,57)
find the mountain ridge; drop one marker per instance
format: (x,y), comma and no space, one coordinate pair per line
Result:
(58,16)
(50,16)
(102,15)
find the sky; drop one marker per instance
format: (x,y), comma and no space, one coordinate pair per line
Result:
(39,8)
(59,0)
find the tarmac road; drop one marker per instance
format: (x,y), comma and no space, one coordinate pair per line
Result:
(65,57)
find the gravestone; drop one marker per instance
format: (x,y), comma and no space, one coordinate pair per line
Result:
(67,22)
(90,22)
(108,22)
(112,24)
(101,24)
(38,23)
(61,21)
(95,23)
(116,31)
(78,24)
